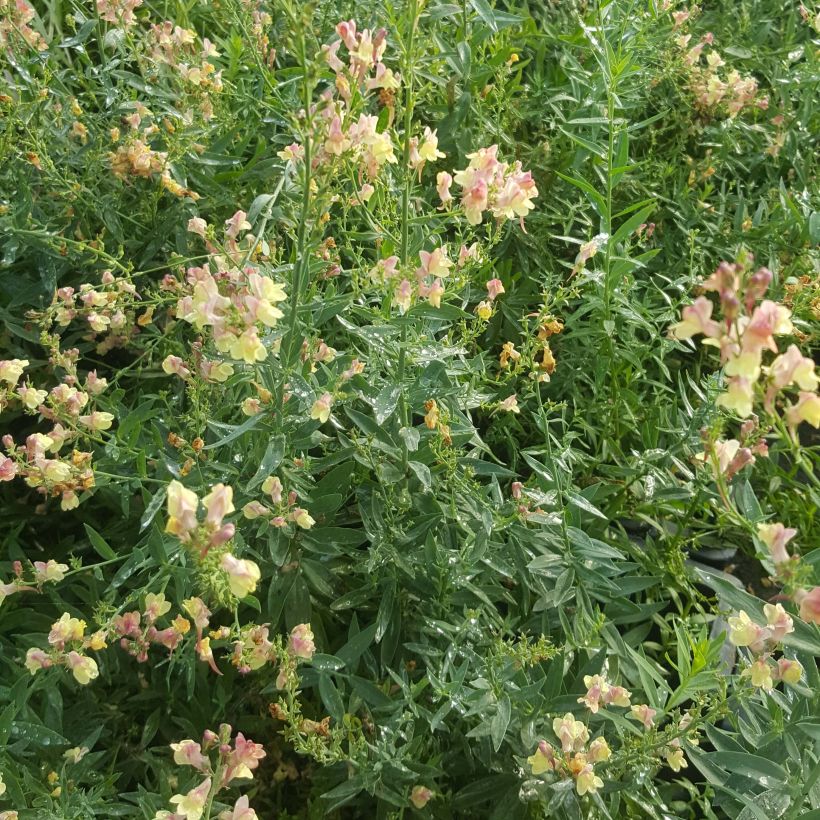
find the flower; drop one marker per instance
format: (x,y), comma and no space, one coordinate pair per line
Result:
(173,365)
(241,811)
(806,409)
(75,754)
(696,318)
(192,805)
(82,667)
(303,518)
(435,263)
(587,782)
(11,370)
(243,575)
(443,183)
(789,671)
(218,503)
(189,753)
(599,751)
(321,408)
(792,367)
(49,571)
(738,397)
(760,674)
(674,756)
(494,289)
(778,621)
(300,643)
(243,759)
(775,537)
(645,714)
(428,150)
(572,733)
(742,630)
(542,759)
(182,506)
(66,629)
(809,605)
(36,660)
(156,606)
(420,795)
(509,405)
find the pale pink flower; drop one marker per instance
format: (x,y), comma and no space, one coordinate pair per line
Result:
(775,536)
(494,289)
(173,365)
(443,183)
(645,714)
(300,643)
(696,318)
(809,603)
(189,753)
(197,225)
(238,222)
(420,796)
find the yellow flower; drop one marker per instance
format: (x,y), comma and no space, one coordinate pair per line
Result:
(742,630)
(761,675)
(321,408)
(542,759)
(82,667)
(738,397)
(587,781)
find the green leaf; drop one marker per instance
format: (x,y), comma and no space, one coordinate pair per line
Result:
(331,697)
(385,403)
(99,543)
(500,721)
(759,769)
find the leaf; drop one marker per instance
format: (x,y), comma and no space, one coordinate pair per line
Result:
(577,500)
(153,508)
(331,697)
(100,544)
(422,472)
(270,461)
(235,430)
(759,769)
(500,721)
(484,11)
(631,224)
(386,402)
(357,646)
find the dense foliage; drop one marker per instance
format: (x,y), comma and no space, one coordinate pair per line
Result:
(409,409)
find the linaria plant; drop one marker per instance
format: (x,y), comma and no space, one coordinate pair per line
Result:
(408,409)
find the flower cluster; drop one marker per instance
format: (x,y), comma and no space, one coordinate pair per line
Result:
(761,641)
(284,507)
(118,12)
(108,311)
(207,539)
(38,462)
(234,304)
(138,630)
(15,16)
(713,89)
(42,572)
(601,693)
(575,759)
(487,184)
(748,327)
(68,644)
(222,762)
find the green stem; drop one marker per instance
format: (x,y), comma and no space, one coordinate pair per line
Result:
(301,265)
(404,248)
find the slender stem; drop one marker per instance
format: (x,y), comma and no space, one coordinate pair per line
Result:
(404,248)
(301,264)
